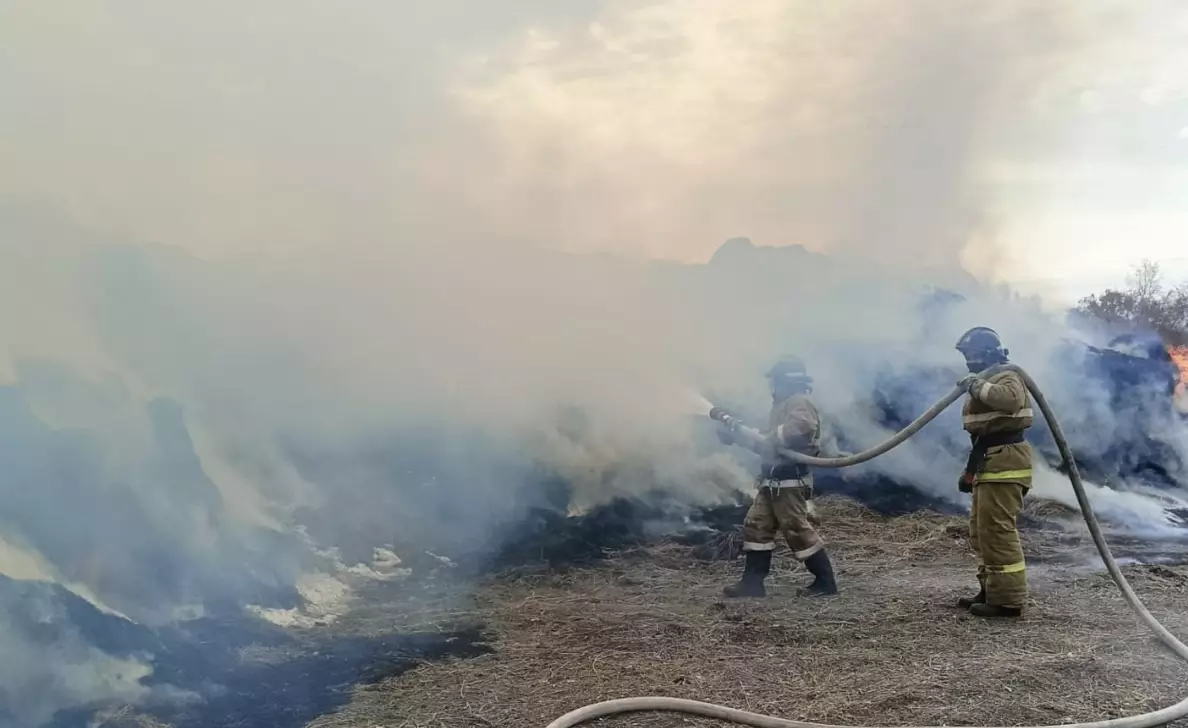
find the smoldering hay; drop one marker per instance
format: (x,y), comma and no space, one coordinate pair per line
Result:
(236,420)
(185,436)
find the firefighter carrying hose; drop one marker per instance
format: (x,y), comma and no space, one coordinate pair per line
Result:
(997,474)
(784,487)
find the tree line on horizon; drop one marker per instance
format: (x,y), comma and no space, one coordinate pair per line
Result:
(1147,301)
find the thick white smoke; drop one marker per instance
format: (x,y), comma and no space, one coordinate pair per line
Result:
(359,328)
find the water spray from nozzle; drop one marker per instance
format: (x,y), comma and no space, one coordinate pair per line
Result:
(698,404)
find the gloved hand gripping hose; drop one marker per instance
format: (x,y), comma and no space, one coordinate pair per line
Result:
(709,710)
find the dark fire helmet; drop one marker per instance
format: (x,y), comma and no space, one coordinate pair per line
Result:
(982,344)
(789,373)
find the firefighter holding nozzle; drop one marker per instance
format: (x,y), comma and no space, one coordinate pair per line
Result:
(784,486)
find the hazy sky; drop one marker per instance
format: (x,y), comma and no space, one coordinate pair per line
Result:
(1050,138)
(397,156)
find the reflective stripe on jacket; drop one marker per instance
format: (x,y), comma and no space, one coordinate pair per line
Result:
(1001,404)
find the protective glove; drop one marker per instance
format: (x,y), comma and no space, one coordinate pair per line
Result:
(725,435)
(811,511)
(965,483)
(970,382)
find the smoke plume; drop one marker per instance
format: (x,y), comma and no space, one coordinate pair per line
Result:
(273,298)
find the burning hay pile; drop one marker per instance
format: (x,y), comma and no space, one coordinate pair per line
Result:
(195,502)
(650,621)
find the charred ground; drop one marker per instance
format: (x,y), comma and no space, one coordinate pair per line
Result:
(634,584)
(234,670)
(890,650)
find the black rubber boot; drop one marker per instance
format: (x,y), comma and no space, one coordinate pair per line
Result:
(988,611)
(819,566)
(967,602)
(751,585)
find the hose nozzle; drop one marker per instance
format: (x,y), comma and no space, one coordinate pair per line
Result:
(725,417)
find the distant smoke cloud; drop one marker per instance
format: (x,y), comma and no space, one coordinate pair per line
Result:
(363,323)
(859,126)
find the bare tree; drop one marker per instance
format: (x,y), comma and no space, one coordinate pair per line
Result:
(1145,302)
(1145,281)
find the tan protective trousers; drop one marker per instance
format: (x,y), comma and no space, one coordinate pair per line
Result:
(995,537)
(777,511)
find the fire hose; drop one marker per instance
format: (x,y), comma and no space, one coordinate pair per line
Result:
(741,717)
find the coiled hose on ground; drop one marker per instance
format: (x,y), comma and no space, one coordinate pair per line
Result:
(710,710)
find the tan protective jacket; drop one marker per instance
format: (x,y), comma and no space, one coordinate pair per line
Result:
(1000,405)
(794,424)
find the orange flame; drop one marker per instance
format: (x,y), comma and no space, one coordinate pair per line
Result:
(1179,355)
